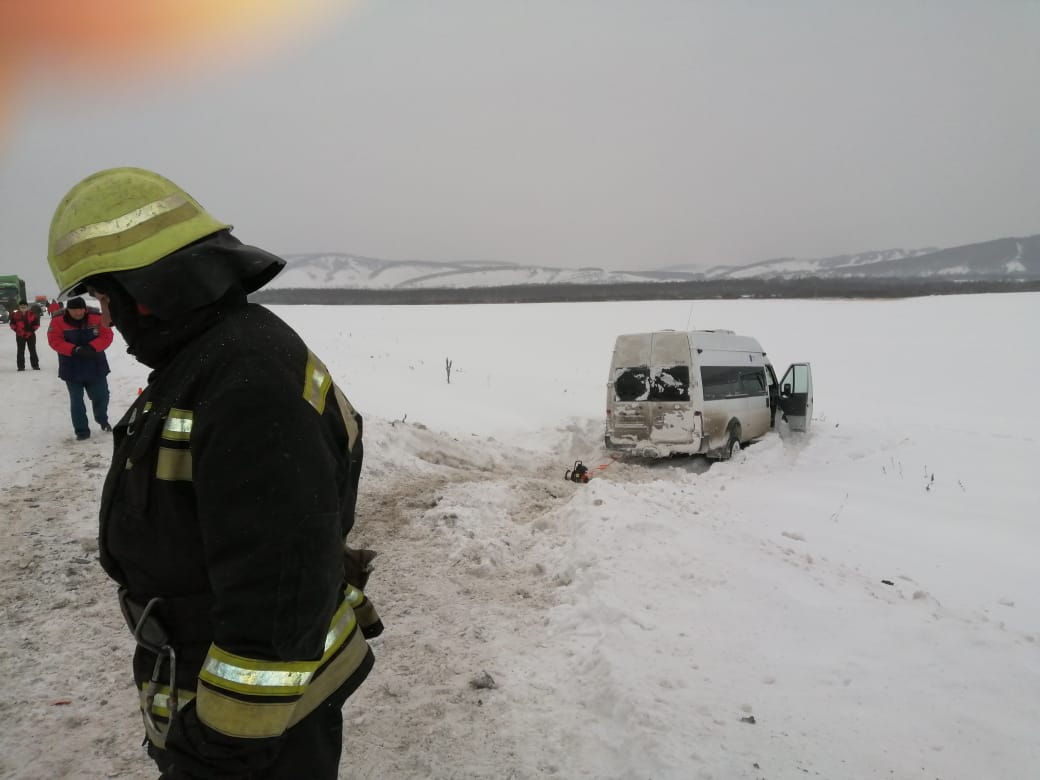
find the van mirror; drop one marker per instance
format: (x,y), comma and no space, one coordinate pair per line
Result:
(787,389)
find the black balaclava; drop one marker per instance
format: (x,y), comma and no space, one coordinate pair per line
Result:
(159,307)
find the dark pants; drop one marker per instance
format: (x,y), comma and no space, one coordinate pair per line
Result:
(30,342)
(97,392)
(310,749)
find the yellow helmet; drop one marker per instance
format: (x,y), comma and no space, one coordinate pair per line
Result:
(121,219)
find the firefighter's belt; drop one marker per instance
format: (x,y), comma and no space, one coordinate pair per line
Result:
(168,620)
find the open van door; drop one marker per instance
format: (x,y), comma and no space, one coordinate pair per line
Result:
(796,396)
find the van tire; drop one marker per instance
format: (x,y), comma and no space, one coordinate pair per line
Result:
(733,445)
(733,449)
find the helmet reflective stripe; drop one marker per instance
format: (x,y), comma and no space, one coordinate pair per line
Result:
(122,219)
(115,229)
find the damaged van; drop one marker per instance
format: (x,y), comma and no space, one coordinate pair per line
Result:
(698,392)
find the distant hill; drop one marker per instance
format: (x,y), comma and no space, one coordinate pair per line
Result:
(367,273)
(1003,259)
(1000,260)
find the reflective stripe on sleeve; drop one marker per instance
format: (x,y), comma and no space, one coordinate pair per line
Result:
(255,698)
(349,417)
(316,385)
(339,669)
(255,677)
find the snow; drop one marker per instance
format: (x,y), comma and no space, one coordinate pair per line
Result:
(345,271)
(866,594)
(786,267)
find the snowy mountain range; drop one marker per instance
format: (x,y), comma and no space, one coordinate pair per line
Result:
(1005,259)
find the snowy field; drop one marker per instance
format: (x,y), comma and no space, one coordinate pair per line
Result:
(859,602)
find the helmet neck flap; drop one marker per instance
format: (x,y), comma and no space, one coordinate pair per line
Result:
(199,274)
(159,307)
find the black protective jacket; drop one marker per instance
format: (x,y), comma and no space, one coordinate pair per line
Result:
(231,492)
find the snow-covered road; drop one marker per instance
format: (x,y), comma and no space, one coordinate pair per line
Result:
(858,602)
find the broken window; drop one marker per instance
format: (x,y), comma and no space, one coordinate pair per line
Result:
(670,383)
(632,384)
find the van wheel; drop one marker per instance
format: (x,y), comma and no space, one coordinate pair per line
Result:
(733,446)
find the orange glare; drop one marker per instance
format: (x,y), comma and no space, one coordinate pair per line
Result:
(124,38)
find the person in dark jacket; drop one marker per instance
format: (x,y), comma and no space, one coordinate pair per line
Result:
(25,322)
(80,338)
(232,489)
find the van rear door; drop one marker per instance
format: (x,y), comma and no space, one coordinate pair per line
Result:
(630,382)
(796,396)
(671,412)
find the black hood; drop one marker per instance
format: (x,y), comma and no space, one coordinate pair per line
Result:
(154,341)
(183,293)
(199,274)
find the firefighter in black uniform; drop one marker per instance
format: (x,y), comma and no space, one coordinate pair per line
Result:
(232,489)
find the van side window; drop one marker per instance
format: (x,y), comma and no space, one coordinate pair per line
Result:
(670,383)
(753,383)
(632,384)
(720,382)
(732,382)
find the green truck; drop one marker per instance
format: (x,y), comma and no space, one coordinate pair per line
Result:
(12,290)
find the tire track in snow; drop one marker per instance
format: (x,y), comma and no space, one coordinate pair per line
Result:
(458,526)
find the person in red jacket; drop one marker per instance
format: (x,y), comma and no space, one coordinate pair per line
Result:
(25,323)
(80,337)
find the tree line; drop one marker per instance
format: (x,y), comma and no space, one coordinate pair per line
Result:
(645,291)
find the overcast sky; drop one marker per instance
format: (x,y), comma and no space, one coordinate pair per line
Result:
(620,134)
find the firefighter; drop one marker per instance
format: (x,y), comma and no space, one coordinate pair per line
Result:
(25,322)
(232,489)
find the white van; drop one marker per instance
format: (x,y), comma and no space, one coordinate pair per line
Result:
(701,391)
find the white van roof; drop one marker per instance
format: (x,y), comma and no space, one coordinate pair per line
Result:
(720,340)
(724,341)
